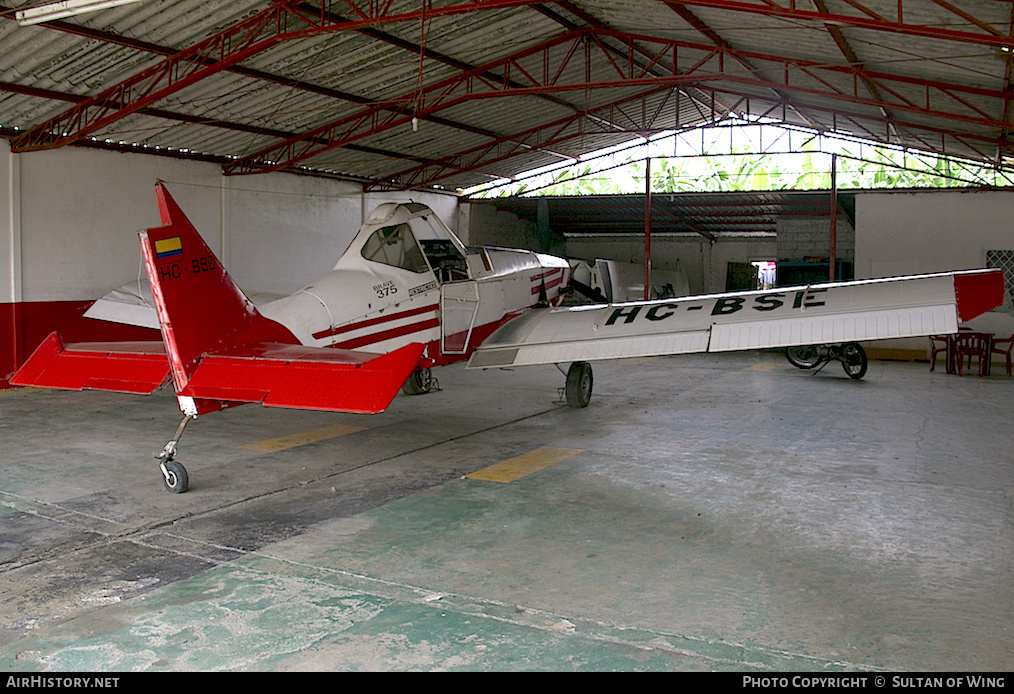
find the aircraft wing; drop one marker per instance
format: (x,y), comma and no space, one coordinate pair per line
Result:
(813,314)
(133,304)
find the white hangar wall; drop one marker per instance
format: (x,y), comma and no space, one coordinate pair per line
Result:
(69,220)
(80,211)
(903,233)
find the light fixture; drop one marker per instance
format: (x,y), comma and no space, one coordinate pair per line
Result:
(66,8)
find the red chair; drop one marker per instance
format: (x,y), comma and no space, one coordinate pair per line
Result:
(1003,346)
(966,346)
(938,344)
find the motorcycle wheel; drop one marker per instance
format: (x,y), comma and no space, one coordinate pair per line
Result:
(853,359)
(803,356)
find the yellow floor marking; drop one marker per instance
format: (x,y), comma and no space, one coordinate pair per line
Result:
(526,464)
(293,440)
(762,367)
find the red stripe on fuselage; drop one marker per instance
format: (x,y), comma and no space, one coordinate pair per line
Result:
(374,338)
(544,277)
(549,285)
(373,321)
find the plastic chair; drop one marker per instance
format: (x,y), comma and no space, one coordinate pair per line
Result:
(938,344)
(967,346)
(1003,346)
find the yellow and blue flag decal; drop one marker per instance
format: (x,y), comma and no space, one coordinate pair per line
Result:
(169,248)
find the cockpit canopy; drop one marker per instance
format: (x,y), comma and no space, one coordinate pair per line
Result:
(411,237)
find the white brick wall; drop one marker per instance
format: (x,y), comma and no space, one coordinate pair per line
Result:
(810,237)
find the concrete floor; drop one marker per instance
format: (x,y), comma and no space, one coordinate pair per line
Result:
(710,512)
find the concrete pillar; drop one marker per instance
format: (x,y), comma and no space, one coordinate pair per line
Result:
(11,342)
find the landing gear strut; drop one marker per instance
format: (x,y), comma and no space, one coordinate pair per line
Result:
(174,475)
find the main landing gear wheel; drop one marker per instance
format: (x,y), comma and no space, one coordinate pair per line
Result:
(853,360)
(419,382)
(579,384)
(174,476)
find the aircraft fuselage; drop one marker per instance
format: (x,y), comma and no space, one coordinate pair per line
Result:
(406,278)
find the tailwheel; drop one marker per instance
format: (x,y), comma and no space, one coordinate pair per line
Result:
(579,384)
(420,382)
(174,476)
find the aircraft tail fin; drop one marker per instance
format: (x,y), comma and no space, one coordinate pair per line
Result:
(199,306)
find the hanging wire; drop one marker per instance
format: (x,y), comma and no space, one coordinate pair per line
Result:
(424,31)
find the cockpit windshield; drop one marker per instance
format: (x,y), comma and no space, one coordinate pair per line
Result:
(443,250)
(418,244)
(395,245)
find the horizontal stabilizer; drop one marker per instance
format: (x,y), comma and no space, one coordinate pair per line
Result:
(122,367)
(313,378)
(806,315)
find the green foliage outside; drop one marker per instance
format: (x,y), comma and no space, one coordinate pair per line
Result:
(869,167)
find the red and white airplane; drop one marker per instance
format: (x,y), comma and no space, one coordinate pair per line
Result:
(408,296)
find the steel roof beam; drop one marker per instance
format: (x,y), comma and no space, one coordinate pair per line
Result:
(1008,81)
(147,46)
(850,55)
(540,137)
(577,47)
(697,23)
(863,121)
(291,20)
(871,20)
(224,50)
(590,21)
(432,54)
(571,127)
(193,120)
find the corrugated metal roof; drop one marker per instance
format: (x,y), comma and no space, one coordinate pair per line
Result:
(915,73)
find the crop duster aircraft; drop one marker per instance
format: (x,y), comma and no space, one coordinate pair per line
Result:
(407,296)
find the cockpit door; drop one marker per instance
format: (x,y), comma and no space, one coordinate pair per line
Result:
(459,304)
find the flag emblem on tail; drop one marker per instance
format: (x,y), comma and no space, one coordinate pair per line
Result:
(167,249)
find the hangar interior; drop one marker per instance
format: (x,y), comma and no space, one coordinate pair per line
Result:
(705,512)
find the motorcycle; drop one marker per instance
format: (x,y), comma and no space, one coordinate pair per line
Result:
(851,355)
